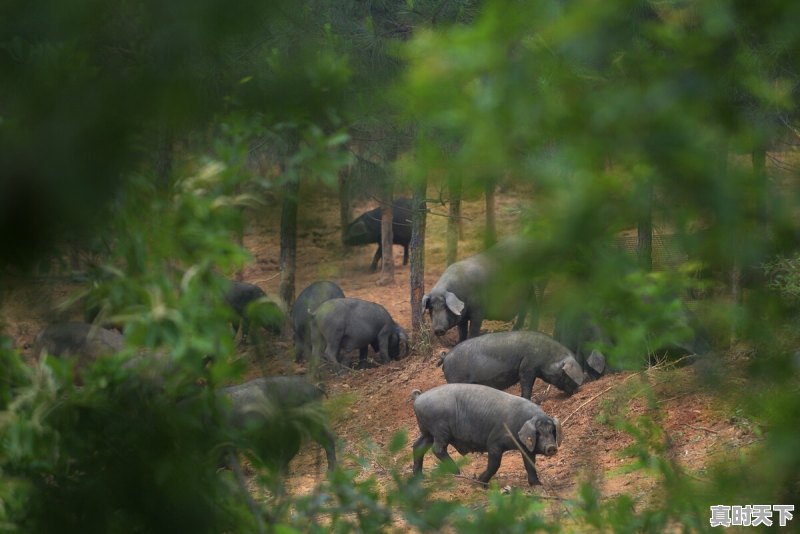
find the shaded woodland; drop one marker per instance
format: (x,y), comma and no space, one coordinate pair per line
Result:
(645,153)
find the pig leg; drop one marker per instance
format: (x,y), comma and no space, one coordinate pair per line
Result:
(362,357)
(245,329)
(527,386)
(462,331)
(440,450)
(332,353)
(419,448)
(317,343)
(533,478)
(520,322)
(324,437)
(378,254)
(495,456)
(475,325)
(405,254)
(383,343)
(299,348)
(523,311)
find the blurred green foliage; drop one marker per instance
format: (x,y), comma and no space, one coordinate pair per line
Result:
(783,276)
(610,110)
(131,123)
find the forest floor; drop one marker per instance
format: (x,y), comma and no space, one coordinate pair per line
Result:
(369,406)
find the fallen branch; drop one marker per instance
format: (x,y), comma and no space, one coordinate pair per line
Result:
(662,401)
(262,280)
(526,458)
(609,388)
(703,428)
(471,479)
(551,498)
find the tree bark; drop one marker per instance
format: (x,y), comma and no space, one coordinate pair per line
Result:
(387,237)
(344,198)
(644,238)
(239,275)
(288,251)
(417,274)
(491,225)
(759,159)
(454,225)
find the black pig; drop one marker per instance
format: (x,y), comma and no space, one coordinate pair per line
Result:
(475,289)
(579,333)
(502,359)
(348,324)
(475,418)
(83,341)
(240,296)
(262,408)
(308,301)
(366,229)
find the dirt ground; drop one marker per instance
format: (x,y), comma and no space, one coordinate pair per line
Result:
(370,406)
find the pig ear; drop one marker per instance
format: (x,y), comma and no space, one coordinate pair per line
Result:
(597,362)
(527,434)
(573,370)
(455,304)
(403,339)
(426,302)
(559,433)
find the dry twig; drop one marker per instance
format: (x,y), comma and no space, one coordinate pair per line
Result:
(703,428)
(660,365)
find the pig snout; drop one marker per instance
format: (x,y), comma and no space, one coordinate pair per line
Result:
(550,450)
(439,324)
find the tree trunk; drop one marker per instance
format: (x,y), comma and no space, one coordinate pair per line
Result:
(288,252)
(454,225)
(491,226)
(387,237)
(759,159)
(344,198)
(644,238)
(735,274)
(417,274)
(239,275)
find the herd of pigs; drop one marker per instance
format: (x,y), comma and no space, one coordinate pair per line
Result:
(471,412)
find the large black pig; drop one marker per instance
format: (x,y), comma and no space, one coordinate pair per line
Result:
(366,229)
(476,288)
(580,334)
(347,324)
(475,418)
(502,359)
(262,408)
(242,297)
(308,301)
(83,341)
